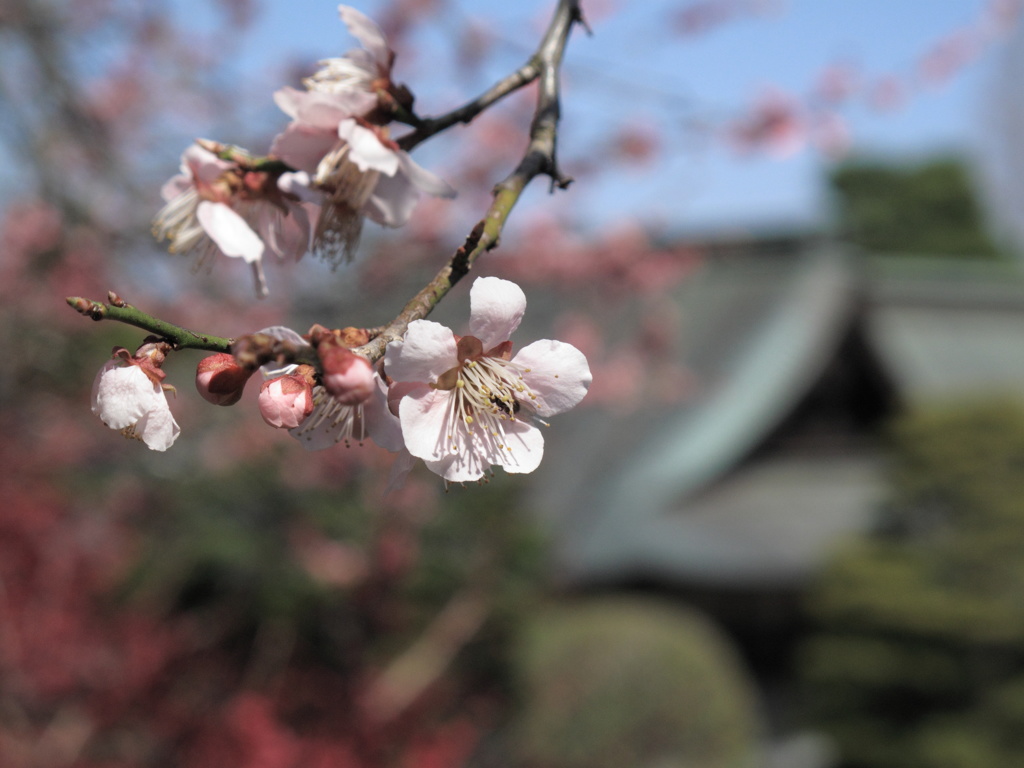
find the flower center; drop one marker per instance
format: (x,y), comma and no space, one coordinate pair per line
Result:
(487,390)
(345,423)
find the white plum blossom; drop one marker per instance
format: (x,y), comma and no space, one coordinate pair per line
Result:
(358,169)
(360,72)
(217,205)
(128,397)
(472,405)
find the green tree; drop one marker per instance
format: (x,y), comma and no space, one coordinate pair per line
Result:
(617,681)
(926,209)
(918,660)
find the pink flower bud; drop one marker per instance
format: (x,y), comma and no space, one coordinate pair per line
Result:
(220,379)
(286,401)
(348,377)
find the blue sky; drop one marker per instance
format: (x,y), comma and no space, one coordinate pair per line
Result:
(700,183)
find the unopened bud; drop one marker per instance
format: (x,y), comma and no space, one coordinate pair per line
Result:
(286,401)
(346,376)
(220,379)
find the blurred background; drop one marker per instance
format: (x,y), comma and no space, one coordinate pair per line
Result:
(784,530)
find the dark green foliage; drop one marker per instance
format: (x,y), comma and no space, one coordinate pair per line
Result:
(919,657)
(224,547)
(928,209)
(609,683)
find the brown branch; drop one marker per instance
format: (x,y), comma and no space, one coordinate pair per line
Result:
(546,59)
(544,66)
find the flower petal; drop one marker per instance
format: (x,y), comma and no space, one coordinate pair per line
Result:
(322,110)
(428,350)
(366,149)
(424,414)
(496,308)
(424,180)
(203,165)
(460,452)
(382,425)
(400,469)
(176,185)
(123,394)
(392,201)
(303,147)
(558,374)
(521,452)
(157,428)
(366,31)
(284,333)
(229,231)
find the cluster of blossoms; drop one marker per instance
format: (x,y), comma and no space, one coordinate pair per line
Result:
(461,404)
(332,166)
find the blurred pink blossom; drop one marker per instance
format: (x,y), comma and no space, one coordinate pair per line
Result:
(220,205)
(361,72)
(355,166)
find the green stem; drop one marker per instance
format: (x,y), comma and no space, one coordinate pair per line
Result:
(180,338)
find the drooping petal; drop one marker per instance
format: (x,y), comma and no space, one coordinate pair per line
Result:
(299,184)
(286,234)
(428,350)
(368,33)
(392,201)
(425,181)
(382,425)
(400,469)
(556,373)
(123,394)
(366,150)
(394,198)
(157,427)
(229,231)
(496,308)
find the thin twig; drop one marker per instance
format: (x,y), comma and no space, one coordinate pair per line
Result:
(539,159)
(180,338)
